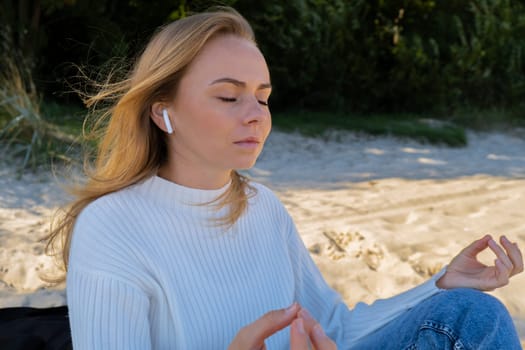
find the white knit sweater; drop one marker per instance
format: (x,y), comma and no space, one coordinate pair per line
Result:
(149,270)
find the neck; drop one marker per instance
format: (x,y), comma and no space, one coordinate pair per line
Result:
(194,179)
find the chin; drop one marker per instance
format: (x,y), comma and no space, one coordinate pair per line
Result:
(245,165)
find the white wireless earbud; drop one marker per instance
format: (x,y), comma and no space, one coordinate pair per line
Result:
(167,121)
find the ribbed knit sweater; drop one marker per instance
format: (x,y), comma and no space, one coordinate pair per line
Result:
(149,269)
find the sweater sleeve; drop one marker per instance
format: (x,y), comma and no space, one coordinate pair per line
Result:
(374,316)
(106,313)
(108,303)
(345,326)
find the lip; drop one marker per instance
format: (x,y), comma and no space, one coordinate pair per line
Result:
(249,142)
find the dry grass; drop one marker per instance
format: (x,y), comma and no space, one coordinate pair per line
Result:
(24,133)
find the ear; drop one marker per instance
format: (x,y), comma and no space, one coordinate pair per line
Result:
(160,114)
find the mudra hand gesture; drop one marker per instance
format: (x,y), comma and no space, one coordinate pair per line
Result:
(465,270)
(304,330)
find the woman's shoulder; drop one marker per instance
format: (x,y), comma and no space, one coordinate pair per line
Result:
(265,197)
(111,223)
(260,188)
(263,192)
(113,206)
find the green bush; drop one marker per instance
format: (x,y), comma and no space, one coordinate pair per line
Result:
(339,55)
(412,55)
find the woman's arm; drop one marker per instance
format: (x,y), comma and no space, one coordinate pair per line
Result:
(105,313)
(107,300)
(345,326)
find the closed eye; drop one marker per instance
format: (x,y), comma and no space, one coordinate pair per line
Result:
(233,99)
(227,99)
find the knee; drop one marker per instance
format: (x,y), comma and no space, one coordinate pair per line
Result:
(470,303)
(475,318)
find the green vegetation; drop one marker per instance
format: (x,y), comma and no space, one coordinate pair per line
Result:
(24,131)
(352,56)
(421,69)
(407,126)
(68,118)
(489,119)
(417,56)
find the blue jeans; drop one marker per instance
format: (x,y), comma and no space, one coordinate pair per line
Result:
(454,319)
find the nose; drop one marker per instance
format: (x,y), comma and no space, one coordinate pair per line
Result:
(256,112)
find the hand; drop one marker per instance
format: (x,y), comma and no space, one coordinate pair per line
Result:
(466,271)
(305,328)
(252,336)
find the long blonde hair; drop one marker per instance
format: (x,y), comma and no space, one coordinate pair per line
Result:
(131,147)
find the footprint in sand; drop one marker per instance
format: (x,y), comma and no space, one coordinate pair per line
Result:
(349,245)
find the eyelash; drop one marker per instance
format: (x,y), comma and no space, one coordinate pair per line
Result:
(231,99)
(227,99)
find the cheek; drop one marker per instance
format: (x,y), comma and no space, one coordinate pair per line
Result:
(213,128)
(216,123)
(199,117)
(268,125)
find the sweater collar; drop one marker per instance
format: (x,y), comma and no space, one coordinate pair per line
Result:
(168,192)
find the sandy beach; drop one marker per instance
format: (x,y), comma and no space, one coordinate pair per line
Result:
(379,215)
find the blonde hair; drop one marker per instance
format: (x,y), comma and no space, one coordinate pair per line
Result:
(132,147)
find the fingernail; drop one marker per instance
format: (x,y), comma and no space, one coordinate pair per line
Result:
(290,309)
(318,331)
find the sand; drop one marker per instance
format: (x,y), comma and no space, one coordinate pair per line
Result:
(379,215)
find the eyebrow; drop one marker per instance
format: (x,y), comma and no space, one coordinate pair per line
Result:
(239,83)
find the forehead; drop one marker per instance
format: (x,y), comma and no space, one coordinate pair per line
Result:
(229,56)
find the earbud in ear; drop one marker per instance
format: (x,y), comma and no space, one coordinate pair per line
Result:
(167,122)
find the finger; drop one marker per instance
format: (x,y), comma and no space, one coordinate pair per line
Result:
(500,253)
(473,249)
(514,254)
(253,335)
(309,321)
(272,322)
(502,273)
(315,331)
(298,336)
(320,340)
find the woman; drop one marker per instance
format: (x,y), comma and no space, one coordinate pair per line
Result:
(168,247)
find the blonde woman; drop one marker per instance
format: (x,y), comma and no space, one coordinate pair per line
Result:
(167,246)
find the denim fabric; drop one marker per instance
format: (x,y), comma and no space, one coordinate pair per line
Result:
(455,319)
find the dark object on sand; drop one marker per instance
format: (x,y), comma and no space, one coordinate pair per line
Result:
(35,329)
